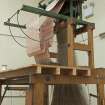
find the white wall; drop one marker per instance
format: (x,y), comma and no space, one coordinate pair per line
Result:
(99,20)
(12,54)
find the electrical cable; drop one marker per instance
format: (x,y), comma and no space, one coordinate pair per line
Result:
(15,39)
(22,29)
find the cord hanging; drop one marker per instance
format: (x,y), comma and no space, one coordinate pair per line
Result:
(28,35)
(22,29)
(15,39)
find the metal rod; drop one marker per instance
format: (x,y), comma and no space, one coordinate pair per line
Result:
(3,95)
(14,25)
(13,15)
(43,12)
(17,88)
(95,96)
(50,14)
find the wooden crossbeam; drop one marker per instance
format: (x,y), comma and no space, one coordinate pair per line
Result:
(17,88)
(82,47)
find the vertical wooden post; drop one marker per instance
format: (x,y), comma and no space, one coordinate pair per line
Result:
(29,96)
(90,44)
(39,93)
(0,93)
(100,93)
(70,42)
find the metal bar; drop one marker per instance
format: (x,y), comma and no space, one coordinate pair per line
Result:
(43,12)
(13,15)
(17,88)
(92,95)
(50,14)
(14,25)
(1,100)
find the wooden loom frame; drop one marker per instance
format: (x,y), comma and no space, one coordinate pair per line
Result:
(38,76)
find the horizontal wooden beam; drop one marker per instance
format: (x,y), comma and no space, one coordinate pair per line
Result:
(53,80)
(17,88)
(21,72)
(42,70)
(83,47)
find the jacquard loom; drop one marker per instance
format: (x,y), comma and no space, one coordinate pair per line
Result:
(64,20)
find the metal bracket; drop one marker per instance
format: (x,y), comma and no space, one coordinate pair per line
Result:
(14,25)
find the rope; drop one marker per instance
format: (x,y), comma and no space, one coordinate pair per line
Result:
(15,39)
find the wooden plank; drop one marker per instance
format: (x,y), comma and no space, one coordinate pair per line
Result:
(99,72)
(90,44)
(18,72)
(16,81)
(64,79)
(29,96)
(39,91)
(82,47)
(0,93)
(54,71)
(67,79)
(100,93)
(70,42)
(17,88)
